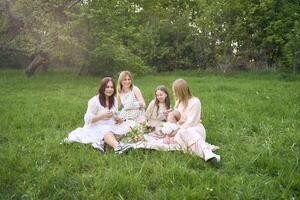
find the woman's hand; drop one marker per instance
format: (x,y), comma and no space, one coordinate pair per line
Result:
(103,116)
(181,121)
(167,140)
(119,120)
(107,114)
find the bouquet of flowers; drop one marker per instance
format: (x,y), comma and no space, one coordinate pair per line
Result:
(137,133)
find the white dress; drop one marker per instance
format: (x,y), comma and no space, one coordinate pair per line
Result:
(169,127)
(131,107)
(93,132)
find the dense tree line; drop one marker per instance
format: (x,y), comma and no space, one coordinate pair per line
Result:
(141,35)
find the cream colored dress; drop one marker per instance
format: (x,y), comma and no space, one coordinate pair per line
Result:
(131,107)
(156,117)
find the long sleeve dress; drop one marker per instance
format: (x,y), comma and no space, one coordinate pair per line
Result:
(93,132)
(191,135)
(156,117)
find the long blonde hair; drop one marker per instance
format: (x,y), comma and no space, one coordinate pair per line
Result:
(182,92)
(122,75)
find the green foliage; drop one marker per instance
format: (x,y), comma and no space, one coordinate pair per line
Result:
(104,37)
(292,49)
(253,117)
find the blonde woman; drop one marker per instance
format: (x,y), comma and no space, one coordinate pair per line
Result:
(191,134)
(130,98)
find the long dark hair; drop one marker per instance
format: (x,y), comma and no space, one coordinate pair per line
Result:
(102,98)
(167,100)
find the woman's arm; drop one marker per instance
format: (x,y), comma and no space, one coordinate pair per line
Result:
(150,109)
(91,116)
(173,133)
(106,115)
(139,96)
(192,115)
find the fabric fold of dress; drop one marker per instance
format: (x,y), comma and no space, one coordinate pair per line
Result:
(93,132)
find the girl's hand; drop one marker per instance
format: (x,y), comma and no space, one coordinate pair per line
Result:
(142,106)
(165,113)
(168,111)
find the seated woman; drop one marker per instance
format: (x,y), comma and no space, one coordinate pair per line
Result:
(131,99)
(156,112)
(191,135)
(101,122)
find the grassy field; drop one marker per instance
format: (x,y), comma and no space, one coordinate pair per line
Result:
(253,117)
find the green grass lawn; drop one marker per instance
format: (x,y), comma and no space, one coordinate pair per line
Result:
(253,117)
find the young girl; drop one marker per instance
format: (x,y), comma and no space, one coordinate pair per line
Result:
(101,123)
(130,98)
(157,110)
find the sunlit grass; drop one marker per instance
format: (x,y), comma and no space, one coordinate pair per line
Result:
(253,117)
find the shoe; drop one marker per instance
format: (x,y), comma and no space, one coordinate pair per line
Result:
(208,155)
(215,162)
(122,148)
(216,158)
(99,146)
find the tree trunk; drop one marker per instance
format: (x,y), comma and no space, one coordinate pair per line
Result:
(45,66)
(296,67)
(80,71)
(37,61)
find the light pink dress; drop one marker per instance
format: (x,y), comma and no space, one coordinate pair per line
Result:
(190,136)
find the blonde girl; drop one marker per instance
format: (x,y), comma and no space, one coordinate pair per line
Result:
(130,98)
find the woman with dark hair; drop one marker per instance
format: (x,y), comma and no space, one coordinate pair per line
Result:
(101,121)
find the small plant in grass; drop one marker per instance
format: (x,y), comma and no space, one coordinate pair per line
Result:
(136,133)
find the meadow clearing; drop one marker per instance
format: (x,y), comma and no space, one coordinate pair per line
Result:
(253,117)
